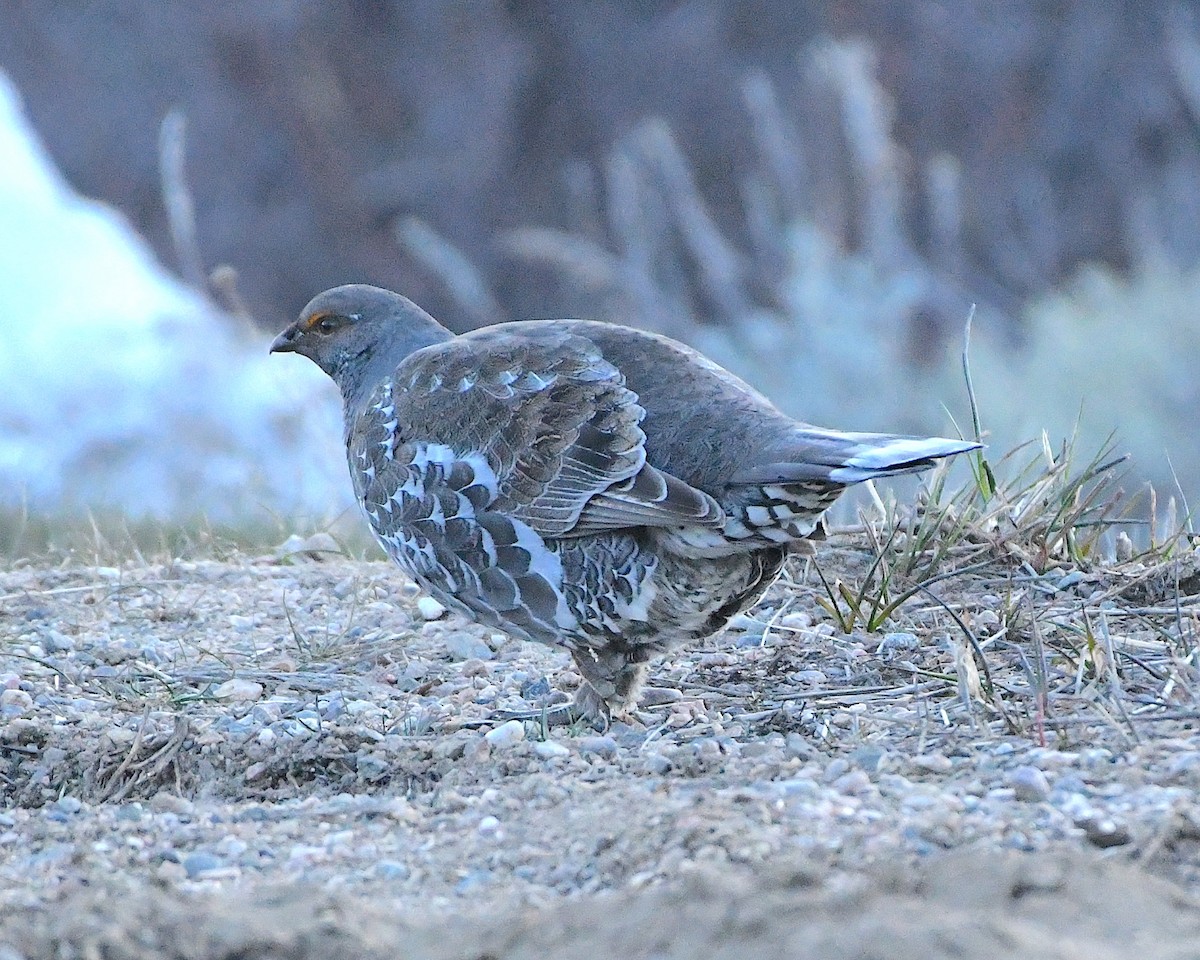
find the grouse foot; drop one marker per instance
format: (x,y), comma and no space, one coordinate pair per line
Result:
(588,707)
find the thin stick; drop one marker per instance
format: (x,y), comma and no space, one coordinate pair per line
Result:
(181,210)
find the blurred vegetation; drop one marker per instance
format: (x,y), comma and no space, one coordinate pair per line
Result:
(813,194)
(1034,137)
(1108,353)
(107,538)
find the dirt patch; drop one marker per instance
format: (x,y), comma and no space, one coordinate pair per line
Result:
(282,757)
(977,905)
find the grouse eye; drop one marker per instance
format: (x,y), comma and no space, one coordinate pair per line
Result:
(329,323)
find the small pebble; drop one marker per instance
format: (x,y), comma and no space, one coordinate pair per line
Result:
(659,696)
(600,746)
(430,609)
(472,882)
(1182,766)
(57,642)
(853,784)
(14,703)
(550,749)
(68,804)
(391,870)
(238,688)
(868,758)
(657,763)
(535,689)
(130,812)
(372,768)
(743,621)
(296,548)
(464,646)
(1029,784)
(231,846)
(1105,832)
(195,865)
(898,641)
(506,735)
(933,763)
(987,618)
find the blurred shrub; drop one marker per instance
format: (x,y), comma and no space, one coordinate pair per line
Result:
(837,354)
(1108,353)
(314,128)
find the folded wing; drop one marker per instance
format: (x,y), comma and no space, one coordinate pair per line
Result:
(555,424)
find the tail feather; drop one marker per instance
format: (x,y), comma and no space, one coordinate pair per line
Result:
(887,456)
(846,458)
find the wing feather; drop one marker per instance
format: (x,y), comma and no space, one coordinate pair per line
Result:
(556,424)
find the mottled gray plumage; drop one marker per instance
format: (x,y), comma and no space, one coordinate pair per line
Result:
(576,482)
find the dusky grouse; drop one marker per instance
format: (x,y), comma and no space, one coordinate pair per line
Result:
(575,482)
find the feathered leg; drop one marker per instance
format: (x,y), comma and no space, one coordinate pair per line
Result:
(612,680)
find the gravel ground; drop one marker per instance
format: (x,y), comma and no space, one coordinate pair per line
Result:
(295,755)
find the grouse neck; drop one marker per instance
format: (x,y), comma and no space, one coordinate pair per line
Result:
(359,375)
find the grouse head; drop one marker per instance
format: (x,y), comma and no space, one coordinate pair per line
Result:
(359,334)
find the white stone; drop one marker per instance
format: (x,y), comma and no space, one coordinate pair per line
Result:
(430,609)
(506,735)
(15,702)
(464,646)
(239,689)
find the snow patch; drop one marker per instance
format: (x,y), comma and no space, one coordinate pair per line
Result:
(125,390)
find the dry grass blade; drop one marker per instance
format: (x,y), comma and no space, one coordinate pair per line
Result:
(137,772)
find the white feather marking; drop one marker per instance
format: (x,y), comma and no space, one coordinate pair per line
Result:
(643,596)
(802,527)
(439,455)
(759,516)
(547,564)
(890,453)
(537,383)
(704,541)
(389,441)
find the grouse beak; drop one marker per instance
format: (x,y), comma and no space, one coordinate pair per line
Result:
(286,341)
